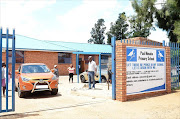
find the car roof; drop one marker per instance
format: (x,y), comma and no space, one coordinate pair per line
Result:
(33,64)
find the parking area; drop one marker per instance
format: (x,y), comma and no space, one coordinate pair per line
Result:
(77,101)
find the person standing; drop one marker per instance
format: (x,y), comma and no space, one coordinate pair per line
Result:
(56,71)
(109,76)
(71,72)
(92,68)
(3,78)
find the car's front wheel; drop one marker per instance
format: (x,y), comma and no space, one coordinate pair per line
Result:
(20,93)
(54,91)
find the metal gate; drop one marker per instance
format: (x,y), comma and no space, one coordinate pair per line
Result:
(174,64)
(5,40)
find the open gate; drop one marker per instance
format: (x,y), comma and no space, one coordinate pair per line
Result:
(7,42)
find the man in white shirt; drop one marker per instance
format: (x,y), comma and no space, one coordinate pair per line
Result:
(92,68)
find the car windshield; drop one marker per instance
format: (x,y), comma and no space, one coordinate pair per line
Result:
(104,67)
(35,69)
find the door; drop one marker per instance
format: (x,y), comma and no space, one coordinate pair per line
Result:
(82,66)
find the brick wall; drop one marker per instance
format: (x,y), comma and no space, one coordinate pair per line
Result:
(121,72)
(10,66)
(48,58)
(142,40)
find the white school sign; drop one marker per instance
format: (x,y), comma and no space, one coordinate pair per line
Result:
(145,70)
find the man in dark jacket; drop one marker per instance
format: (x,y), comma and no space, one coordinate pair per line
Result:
(56,71)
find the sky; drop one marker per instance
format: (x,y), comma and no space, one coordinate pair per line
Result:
(64,20)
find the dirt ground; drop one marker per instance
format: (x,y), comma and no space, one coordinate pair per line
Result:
(76,101)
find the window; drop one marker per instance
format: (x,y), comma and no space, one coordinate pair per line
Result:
(19,57)
(86,58)
(104,59)
(64,58)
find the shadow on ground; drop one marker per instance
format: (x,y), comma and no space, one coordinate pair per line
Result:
(17,115)
(151,96)
(42,94)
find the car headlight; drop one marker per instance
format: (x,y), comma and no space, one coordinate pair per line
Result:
(54,77)
(24,78)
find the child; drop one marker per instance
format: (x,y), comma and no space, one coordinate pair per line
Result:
(71,72)
(3,78)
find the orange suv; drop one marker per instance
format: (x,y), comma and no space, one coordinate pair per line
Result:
(31,77)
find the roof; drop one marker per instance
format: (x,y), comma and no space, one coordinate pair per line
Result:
(27,43)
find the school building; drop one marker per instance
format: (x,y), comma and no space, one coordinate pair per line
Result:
(30,50)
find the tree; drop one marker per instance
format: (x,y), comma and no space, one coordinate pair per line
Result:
(168,18)
(138,29)
(119,29)
(177,30)
(97,33)
(142,23)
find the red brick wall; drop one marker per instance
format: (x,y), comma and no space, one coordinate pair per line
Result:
(48,58)
(121,72)
(10,66)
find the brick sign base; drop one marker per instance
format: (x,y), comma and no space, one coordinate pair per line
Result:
(121,72)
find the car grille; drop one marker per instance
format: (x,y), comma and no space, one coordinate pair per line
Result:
(40,79)
(42,84)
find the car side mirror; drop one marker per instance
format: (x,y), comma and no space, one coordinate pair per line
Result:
(17,72)
(52,70)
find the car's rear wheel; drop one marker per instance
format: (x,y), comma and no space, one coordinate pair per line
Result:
(103,79)
(54,91)
(82,79)
(21,94)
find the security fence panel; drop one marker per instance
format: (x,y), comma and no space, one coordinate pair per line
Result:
(7,43)
(174,64)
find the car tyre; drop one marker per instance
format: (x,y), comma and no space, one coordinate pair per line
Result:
(54,91)
(20,93)
(103,79)
(82,79)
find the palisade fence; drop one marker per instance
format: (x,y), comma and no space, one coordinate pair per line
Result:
(174,64)
(174,52)
(7,43)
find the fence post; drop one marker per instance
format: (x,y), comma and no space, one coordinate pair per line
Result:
(1,70)
(113,39)
(178,65)
(13,70)
(77,67)
(99,68)
(7,61)
(163,43)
